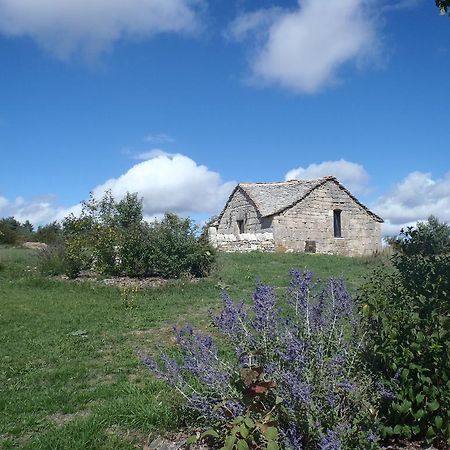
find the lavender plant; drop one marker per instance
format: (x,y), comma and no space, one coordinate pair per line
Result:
(295,380)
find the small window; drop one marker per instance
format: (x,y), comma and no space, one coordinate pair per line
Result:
(240,224)
(337,223)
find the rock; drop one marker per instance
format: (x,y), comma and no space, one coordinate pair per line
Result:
(164,444)
(35,245)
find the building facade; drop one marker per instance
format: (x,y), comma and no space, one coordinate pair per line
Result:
(297,216)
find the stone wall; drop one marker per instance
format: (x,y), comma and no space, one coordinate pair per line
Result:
(242,208)
(244,242)
(312,220)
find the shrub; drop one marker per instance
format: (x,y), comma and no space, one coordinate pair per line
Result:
(407,313)
(78,253)
(112,238)
(51,261)
(176,250)
(295,378)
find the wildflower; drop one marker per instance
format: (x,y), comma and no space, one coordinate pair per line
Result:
(330,441)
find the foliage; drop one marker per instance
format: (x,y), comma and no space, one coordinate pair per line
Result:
(13,232)
(51,261)
(177,250)
(50,234)
(295,379)
(408,319)
(443,5)
(78,254)
(112,238)
(428,238)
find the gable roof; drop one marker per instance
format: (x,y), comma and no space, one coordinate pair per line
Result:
(274,198)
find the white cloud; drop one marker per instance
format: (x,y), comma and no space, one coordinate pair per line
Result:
(246,25)
(149,154)
(160,138)
(171,183)
(89,27)
(165,182)
(3,202)
(413,199)
(38,210)
(400,5)
(353,176)
(304,48)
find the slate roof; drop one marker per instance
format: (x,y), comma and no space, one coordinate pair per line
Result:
(273,198)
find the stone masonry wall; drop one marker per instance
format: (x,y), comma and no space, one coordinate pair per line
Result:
(312,220)
(244,242)
(242,208)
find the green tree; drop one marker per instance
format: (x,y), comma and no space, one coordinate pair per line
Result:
(443,5)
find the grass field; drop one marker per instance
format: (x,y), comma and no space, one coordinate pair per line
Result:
(70,373)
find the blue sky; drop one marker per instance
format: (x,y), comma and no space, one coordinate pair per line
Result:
(180,99)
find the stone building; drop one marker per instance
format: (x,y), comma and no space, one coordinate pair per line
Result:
(297,216)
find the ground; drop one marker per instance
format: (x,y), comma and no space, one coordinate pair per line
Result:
(70,370)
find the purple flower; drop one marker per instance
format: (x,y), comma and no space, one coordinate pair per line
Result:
(231,321)
(343,303)
(299,289)
(372,438)
(336,364)
(346,386)
(330,441)
(170,371)
(295,390)
(293,437)
(264,302)
(385,392)
(201,358)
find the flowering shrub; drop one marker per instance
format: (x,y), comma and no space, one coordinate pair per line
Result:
(295,379)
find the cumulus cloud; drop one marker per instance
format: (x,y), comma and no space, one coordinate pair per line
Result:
(90,27)
(350,174)
(38,210)
(153,153)
(304,48)
(171,183)
(166,182)
(414,199)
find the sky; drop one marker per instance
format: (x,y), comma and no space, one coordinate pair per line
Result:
(179,100)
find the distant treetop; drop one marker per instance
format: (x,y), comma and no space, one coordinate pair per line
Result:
(444,6)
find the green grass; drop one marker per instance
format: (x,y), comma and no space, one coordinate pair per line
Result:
(70,374)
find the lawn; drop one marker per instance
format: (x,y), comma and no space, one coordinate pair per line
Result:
(70,373)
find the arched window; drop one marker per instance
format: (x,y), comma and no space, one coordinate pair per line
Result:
(337,223)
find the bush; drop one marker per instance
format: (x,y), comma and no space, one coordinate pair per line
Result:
(51,261)
(78,252)
(176,250)
(295,378)
(112,238)
(407,313)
